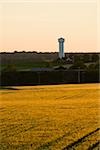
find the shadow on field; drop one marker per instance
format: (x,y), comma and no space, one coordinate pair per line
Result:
(8,88)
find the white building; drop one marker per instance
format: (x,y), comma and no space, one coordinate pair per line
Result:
(61,47)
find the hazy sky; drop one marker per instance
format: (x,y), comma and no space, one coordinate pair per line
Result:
(36,25)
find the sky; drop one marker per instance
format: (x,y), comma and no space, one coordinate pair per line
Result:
(36,25)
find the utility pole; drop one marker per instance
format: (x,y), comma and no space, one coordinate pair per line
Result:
(79,75)
(38,78)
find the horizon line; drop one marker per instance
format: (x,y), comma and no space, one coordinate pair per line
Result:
(25,51)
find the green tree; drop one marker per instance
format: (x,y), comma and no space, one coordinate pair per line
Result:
(95,57)
(86,58)
(78,64)
(93,66)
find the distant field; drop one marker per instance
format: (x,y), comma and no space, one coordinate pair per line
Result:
(57,117)
(24,65)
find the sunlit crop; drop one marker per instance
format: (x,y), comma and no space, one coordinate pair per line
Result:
(52,117)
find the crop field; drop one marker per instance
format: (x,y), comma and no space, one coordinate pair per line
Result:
(55,117)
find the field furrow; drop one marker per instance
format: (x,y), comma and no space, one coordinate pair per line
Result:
(83,139)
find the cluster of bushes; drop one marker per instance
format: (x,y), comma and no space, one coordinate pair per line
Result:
(81,65)
(76,65)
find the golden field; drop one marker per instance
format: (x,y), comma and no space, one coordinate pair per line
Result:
(55,117)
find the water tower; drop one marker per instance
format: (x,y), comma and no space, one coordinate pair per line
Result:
(61,47)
